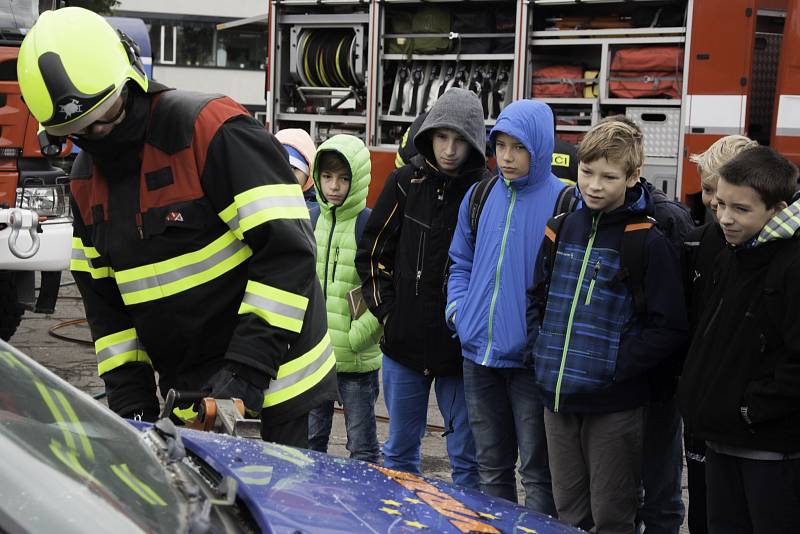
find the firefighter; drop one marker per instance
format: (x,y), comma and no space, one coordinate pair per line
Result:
(192,246)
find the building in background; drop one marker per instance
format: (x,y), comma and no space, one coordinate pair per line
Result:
(190,53)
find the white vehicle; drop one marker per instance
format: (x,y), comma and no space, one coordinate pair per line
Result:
(35,222)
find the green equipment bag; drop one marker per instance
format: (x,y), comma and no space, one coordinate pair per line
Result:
(399,22)
(431,19)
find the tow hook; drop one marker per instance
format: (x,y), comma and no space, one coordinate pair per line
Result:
(19,219)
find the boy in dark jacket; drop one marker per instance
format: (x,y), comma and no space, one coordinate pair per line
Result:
(702,246)
(740,388)
(593,346)
(486,295)
(402,260)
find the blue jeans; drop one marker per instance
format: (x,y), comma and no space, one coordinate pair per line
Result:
(358,392)
(406,394)
(663,508)
(506,415)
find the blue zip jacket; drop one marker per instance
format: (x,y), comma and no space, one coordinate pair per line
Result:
(591,350)
(489,275)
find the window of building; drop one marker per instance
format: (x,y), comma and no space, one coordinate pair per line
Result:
(196,45)
(168,43)
(199,44)
(241,49)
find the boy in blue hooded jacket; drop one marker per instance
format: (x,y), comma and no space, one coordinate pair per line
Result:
(593,339)
(486,305)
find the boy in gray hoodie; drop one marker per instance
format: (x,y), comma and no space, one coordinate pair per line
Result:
(402,260)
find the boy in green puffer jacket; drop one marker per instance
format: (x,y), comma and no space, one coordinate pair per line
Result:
(342,175)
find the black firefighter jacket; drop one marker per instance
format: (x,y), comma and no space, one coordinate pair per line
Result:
(202,255)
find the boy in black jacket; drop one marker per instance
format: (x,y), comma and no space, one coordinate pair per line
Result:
(740,389)
(701,248)
(402,260)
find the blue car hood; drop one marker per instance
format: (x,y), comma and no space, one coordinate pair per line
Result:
(290,490)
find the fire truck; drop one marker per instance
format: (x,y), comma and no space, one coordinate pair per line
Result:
(35,222)
(687,71)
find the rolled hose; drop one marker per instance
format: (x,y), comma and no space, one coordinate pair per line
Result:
(326,57)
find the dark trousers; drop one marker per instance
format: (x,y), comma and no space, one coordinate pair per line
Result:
(293,432)
(663,508)
(696,480)
(752,496)
(506,416)
(596,465)
(359,392)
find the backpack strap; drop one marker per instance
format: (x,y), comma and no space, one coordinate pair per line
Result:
(550,242)
(313,213)
(361,222)
(477,200)
(566,201)
(548,249)
(633,259)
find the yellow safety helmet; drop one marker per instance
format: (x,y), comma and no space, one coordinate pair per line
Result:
(72,65)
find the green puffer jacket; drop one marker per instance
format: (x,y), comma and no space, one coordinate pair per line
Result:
(355,342)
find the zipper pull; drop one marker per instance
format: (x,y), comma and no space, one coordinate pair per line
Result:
(139,225)
(335,261)
(440,193)
(596,270)
(416,285)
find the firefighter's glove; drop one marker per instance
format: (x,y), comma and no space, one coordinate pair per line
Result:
(228,383)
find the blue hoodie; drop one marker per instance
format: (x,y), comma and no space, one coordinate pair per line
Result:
(489,275)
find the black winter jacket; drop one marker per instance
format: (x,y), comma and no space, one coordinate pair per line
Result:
(746,352)
(403,262)
(701,248)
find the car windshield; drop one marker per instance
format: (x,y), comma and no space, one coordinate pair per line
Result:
(62,451)
(17,17)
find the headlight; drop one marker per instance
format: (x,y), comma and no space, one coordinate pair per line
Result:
(51,201)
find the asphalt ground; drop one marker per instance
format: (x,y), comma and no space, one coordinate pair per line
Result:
(71,356)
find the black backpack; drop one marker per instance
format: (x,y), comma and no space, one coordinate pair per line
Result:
(361,221)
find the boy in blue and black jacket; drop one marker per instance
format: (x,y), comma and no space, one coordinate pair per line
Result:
(492,266)
(597,324)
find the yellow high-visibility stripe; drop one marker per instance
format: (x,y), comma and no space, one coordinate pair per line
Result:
(141,489)
(275,306)
(76,423)
(301,374)
(262,204)
(257,475)
(175,275)
(119,348)
(81,260)
(69,440)
(69,458)
(91,252)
